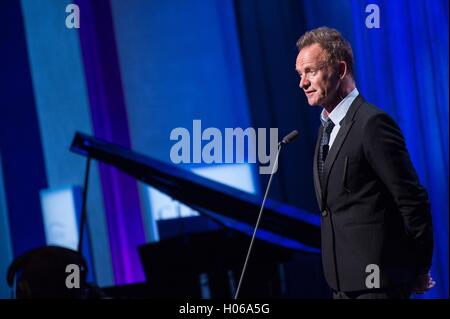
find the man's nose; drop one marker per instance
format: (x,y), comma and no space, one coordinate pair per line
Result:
(304,83)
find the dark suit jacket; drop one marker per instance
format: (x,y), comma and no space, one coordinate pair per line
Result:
(374,211)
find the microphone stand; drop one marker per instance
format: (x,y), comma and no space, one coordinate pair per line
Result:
(259,219)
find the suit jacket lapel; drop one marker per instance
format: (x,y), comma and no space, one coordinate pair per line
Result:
(334,150)
(340,138)
(317,186)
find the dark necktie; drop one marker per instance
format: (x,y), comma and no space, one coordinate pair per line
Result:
(324,146)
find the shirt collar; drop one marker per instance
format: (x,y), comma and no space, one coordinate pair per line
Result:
(340,110)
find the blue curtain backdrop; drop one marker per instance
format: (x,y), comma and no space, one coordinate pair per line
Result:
(402,67)
(415,47)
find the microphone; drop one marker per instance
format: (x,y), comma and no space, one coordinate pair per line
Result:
(290,137)
(286,140)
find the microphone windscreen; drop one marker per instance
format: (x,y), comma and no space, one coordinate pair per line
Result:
(290,137)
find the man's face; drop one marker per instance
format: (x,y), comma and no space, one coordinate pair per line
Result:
(318,79)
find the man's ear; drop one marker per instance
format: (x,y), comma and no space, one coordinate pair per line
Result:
(343,70)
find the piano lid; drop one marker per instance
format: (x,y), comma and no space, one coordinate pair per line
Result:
(282,224)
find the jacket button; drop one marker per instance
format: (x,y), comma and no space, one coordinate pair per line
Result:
(324,213)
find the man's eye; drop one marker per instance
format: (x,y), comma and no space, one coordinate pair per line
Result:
(308,73)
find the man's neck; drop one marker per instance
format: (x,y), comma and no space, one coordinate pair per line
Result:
(345,89)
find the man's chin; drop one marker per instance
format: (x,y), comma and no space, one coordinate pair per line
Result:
(313,103)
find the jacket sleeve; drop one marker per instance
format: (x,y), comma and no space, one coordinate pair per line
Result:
(386,152)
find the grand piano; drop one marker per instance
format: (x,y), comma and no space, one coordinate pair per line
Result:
(285,260)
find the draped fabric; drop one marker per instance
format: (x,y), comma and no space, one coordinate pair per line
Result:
(402,67)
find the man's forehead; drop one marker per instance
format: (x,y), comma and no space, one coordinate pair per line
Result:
(310,54)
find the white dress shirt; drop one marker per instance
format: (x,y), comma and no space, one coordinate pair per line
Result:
(338,114)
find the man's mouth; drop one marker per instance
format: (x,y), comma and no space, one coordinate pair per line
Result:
(308,93)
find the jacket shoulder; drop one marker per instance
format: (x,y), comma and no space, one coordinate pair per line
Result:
(368,112)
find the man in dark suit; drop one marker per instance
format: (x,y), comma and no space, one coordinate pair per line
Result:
(377,239)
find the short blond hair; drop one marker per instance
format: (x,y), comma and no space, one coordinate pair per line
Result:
(334,44)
